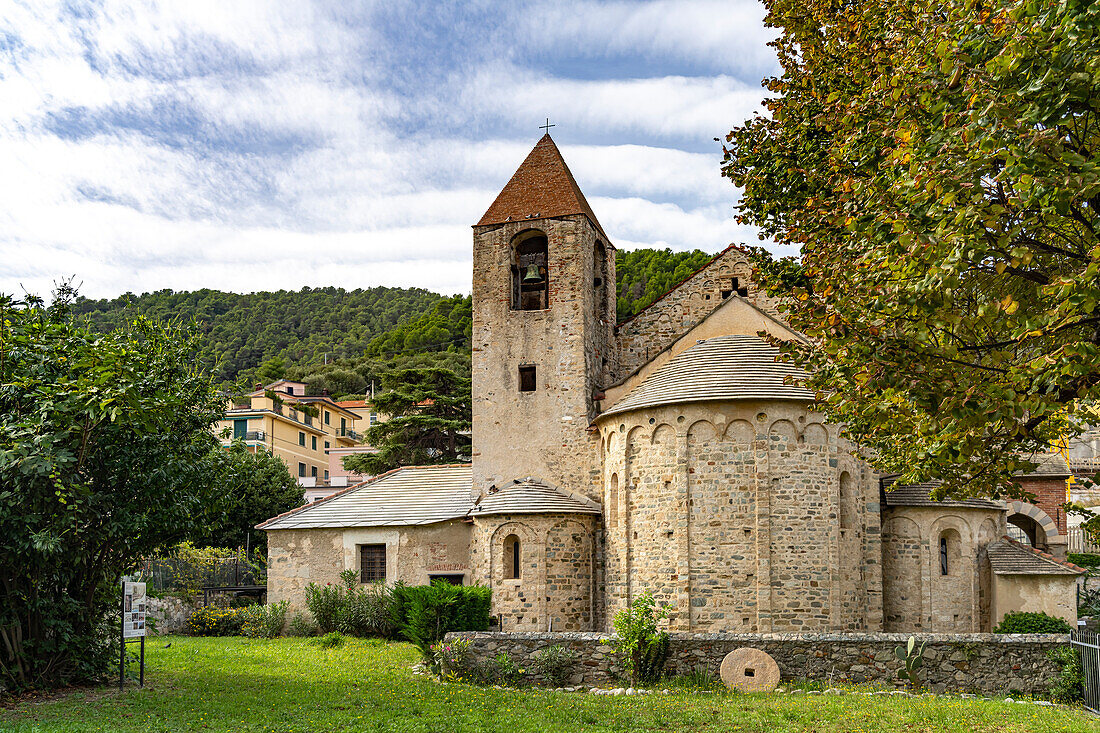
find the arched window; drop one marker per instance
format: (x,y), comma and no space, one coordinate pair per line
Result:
(950,551)
(530,274)
(599,282)
(613,502)
(511,557)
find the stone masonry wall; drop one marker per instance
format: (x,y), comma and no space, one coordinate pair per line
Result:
(730,513)
(984,663)
(651,330)
(541,433)
(557,570)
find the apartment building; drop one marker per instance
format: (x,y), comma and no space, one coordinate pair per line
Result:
(299,429)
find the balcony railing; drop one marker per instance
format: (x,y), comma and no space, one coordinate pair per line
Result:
(349,433)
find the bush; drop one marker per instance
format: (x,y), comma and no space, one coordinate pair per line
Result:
(554,663)
(215,621)
(1028,622)
(264,622)
(325,603)
(365,611)
(424,613)
(1068,686)
(300,625)
(699,678)
(499,670)
(1084,559)
(642,649)
(329,640)
(451,660)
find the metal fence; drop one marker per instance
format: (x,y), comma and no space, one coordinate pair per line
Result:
(174,573)
(1087,645)
(1081,542)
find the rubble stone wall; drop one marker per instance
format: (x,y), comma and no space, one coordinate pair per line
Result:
(980,663)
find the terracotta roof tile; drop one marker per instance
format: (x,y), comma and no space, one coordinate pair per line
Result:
(541,188)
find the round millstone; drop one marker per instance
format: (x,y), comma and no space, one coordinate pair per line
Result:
(749,670)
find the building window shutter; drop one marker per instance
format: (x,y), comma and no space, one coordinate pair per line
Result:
(240,428)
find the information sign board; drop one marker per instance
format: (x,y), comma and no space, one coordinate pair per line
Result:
(133,610)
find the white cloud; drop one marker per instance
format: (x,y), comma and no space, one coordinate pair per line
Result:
(250,145)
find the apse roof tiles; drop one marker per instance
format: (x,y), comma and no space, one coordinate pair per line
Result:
(532,496)
(735,367)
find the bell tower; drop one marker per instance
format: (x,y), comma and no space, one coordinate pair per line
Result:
(544,313)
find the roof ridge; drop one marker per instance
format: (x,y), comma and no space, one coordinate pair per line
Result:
(662,296)
(1044,555)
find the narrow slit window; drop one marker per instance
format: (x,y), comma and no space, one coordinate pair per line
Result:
(511,557)
(943,556)
(527,378)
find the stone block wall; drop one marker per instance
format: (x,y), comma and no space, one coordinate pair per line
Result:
(982,663)
(556,584)
(541,433)
(651,330)
(730,513)
(919,596)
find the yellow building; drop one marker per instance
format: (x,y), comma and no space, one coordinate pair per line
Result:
(299,429)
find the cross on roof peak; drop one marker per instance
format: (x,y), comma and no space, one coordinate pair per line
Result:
(547,126)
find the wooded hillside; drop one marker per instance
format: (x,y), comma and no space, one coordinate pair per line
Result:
(343,340)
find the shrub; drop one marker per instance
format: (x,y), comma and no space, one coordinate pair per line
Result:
(300,625)
(642,649)
(365,611)
(215,621)
(264,622)
(1068,686)
(1029,622)
(500,670)
(325,602)
(424,613)
(1084,559)
(329,640)
(554,663)
(451,660)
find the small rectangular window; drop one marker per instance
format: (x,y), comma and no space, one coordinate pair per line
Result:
(527,378)
(313,471)
(301,439)
(302,469)
(327,416)
(313,441)
(326,445)
(326,474)
(372,563)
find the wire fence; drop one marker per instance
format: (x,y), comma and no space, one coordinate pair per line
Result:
(1087,645)
(190,572)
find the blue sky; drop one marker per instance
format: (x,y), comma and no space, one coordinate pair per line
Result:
(262,145)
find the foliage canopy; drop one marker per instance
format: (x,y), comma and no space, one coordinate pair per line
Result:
(937,165)
(105,445)
(430,421)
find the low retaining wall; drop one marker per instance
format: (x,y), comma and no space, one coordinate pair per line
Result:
(169,614)
(985,663)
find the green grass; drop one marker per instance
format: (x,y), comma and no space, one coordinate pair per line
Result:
(236,684)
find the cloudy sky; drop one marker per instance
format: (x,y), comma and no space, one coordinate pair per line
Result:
(251,146)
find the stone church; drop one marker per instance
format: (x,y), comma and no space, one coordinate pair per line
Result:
(668,453)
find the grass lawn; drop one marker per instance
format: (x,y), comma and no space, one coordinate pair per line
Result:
(236,684)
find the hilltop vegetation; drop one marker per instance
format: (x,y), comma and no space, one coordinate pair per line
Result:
(643,275)
(342,340)
(239,332)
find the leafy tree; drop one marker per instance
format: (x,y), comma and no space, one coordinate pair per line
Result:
(252,487)
(937,165)
(104,457)
(271,370)
(430,423)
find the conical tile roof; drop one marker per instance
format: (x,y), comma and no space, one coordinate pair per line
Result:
(541,188)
